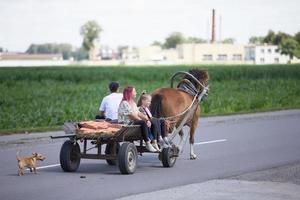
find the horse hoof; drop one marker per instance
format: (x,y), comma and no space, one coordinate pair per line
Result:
(193,157)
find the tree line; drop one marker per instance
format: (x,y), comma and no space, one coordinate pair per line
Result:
(287,44)
(177,38)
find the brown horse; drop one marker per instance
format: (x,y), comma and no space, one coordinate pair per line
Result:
(168,102)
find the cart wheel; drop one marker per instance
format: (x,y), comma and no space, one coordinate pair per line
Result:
(70,156)
(167,158)
(127,158)
(109,150)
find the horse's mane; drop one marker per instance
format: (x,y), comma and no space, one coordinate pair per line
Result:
(201,75)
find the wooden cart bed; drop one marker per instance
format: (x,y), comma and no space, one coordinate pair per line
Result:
(103,129)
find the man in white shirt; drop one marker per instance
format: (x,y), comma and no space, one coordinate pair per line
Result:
(109,106)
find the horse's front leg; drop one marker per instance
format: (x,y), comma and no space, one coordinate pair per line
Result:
(193,156)
(181,141)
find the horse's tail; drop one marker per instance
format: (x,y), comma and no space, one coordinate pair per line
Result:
(156,105)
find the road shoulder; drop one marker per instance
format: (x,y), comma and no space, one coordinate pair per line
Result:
(276,183)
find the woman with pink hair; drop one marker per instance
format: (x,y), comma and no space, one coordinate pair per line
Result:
(128,113)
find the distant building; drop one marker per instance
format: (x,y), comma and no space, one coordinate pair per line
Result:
(196,53)
(188,54)
(211,53)
(106,53)
(130,54)
(170,55)
(156,55)
(150,53)
(24,56)
(264,54)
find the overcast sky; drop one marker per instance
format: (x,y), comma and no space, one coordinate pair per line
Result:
(138,22)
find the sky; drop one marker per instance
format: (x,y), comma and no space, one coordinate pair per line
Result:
(140,22)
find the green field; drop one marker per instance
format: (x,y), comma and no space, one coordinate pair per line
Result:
(35,99)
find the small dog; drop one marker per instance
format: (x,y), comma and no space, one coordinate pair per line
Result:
(29,162)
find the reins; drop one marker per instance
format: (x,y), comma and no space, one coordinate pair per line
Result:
(178,115)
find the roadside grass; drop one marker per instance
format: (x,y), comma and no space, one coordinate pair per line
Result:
(40,99)
(244,96)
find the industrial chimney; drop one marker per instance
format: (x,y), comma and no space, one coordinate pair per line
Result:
(213,31)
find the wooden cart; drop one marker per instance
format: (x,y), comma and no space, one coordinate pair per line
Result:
(121,148)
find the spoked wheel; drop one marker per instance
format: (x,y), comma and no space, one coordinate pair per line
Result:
(70,156)
(112,148)
(168,158)
(127,158)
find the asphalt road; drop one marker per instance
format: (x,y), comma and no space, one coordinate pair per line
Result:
(226,146)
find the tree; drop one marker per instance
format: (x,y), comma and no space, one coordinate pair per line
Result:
(228,41)
(173,40)
(269,39)
(51,48)
(280,36)
(66,50)
(156,43)
(1,49)
(195,40)
(297,52)
(273,38)
(289,46)
(297,37)
(90,32)
(256,40)
(80,54)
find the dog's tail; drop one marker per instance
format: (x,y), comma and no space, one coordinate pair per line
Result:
(17,155)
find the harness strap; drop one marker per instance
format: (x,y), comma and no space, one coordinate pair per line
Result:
(186,86)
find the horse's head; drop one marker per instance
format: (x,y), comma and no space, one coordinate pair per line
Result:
(201,75)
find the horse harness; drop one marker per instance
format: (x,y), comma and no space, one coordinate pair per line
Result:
(188,87)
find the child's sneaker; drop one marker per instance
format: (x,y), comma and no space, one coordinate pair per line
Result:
(149,147)
(156,146)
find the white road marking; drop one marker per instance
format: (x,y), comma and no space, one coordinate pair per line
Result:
(209,142)
(47,166)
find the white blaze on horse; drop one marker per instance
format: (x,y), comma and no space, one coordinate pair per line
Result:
(179,104)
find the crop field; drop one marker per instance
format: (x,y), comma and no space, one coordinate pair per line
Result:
(37,99)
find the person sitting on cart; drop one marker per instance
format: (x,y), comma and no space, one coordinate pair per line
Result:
(108,109)
(143,106)
(128,113)
(158,127)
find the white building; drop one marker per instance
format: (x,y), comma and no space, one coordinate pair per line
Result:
(107,53)
(130,54)
(211,53)
(207,53)
(194,54)
(150,53)
(264,54)
(157,54)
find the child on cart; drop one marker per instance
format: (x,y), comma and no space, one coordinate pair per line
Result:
(158,126)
